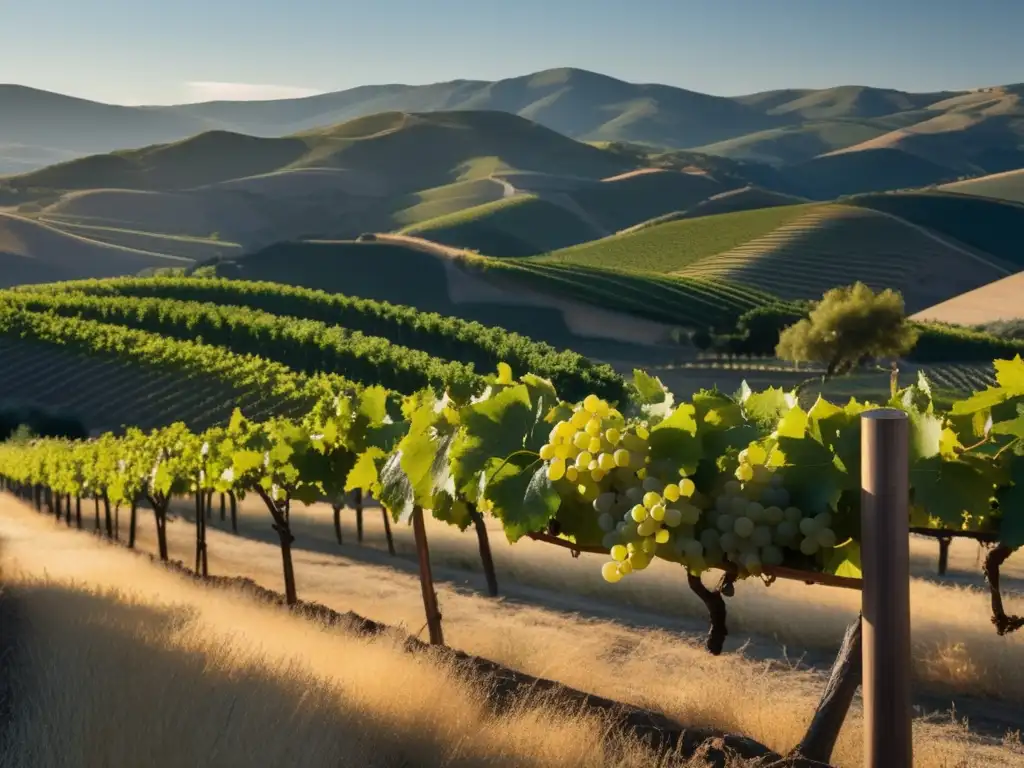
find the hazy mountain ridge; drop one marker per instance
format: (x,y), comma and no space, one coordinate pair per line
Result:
(580,104)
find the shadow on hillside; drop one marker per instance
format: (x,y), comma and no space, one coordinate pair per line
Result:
(98,681)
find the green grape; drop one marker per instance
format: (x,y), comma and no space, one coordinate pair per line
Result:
(824,520)
(743,527)
(622,458)
(793,514)
(579,419)
(690,514)
(773,515)
(625,567)
(610,539)
(593,428)
(606,522)
(571,473)
(692,548)
(658,512)
(638,513)
(745,473)
(762,474)
(755,511)
(594,446)
(634,443)
(565,429)
(556,470)
(581,440)
(639,561)
(725,523)
(612,435)
(738,506)
(671,492)
(610,572)
(723,503)
(709,538)
(606,462)
(771,555)
(809,546)
(687,487)
(762,536)
(662,536)
(786,531)
(808,526)
(729,542)
(564,451)
(732,488)
(647,527)
(673,517)
(547,451)
(592,403)
(605,502)
(651,498)
(826,538)
(752,563)
(652,484)
(583,460)
(649,544)
(635,494)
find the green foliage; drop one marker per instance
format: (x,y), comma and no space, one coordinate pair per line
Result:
(938,342)
(669,247)
(847,327)
(439,335)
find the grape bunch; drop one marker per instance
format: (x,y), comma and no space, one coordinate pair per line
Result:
(753,522)
(643,517)
(592,446)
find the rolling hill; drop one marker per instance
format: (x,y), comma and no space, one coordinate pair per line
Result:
(978,130)
(1001,300)
(32,252)
(1000,186)
(829,245)
(404,151)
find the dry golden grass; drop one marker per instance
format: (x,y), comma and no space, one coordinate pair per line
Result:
(125,664)
(767,700)
(1001,300)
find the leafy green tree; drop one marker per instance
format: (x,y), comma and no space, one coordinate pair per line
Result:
(848,327)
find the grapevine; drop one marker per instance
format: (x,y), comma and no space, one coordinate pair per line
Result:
(752,485)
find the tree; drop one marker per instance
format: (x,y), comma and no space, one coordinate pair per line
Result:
(848,327)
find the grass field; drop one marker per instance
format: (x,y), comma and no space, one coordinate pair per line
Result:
(757,689)
(448,199)
(670,247)
(1001,186)
(1001,300)
(32,252)
(517,226)
(991,226)
(832,245)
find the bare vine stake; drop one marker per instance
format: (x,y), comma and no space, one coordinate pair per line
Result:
(485,550)
(885,601)
(359,515)
(387,529)
(427,578)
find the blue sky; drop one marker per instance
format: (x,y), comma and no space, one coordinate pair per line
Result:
(167,51)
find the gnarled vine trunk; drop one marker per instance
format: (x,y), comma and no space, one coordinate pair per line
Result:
(281,513)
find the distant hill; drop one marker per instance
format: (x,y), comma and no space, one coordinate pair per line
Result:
(1001,186)
(979,130)
(31,252)
(402,151)
(1001,300)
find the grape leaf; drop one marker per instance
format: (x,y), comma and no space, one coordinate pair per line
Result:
(844,560)
(675,439)
(450,510)
(1011,507)
(524,498)
(364,473)
(1012,427)
(813,480)
(494,427)
(949,489)
(766,406)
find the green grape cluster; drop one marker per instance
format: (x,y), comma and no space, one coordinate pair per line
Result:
(753,523)
(594,446)
(643,517)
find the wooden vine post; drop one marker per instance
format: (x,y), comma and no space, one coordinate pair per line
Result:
(485,550)
(427,578)
(885,601)
(359,514)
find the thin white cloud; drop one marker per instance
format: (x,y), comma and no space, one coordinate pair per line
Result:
(212,91)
